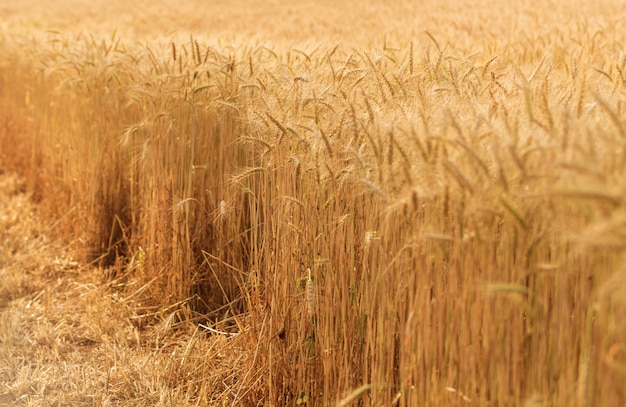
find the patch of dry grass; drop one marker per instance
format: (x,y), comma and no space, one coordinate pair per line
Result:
(68,337)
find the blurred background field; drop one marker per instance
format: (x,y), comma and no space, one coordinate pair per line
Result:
(378,203)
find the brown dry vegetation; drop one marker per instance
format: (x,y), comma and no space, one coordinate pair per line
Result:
(453,178)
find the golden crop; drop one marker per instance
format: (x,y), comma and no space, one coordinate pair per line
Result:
(402,203)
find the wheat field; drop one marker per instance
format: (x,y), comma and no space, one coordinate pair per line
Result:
(264,203)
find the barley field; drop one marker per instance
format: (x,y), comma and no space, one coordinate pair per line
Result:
(271,203)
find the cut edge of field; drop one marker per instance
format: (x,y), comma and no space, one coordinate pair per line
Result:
(68,336)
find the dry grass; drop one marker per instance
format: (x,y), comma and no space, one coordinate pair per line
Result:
(68,337)
(386,205)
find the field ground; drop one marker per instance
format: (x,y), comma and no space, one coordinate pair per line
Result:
(69,338)
(272,203)
(54,314)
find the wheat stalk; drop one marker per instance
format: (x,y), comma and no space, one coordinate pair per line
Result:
(310,294)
